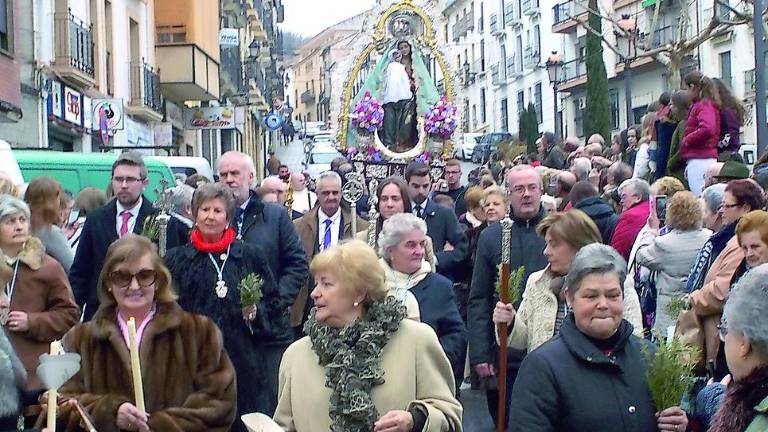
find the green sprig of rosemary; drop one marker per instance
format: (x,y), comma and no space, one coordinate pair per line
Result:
(677,305)
(515,280)
(151,228)
(670,372)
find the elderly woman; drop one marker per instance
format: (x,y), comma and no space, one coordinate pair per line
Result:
(495,202)
(392,198)
(592,376)
(672,254)
(44,198)
(36,303)
(210,274)
(400,382)
(713,274)
(744,330)
(428,296)
(544,307)
(187,377)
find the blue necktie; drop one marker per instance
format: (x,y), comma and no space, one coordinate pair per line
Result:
(327,236)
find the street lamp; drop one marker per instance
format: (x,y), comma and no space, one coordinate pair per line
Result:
(468,76)
(629,27)
(554,63)
(254,48)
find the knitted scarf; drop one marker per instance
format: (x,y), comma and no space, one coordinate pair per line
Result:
(351,357)
(217,247)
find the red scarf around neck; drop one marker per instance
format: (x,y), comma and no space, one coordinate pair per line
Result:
(217,247)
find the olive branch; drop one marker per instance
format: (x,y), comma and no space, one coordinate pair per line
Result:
(250,290)
(670,372)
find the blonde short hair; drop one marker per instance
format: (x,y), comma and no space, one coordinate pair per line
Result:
(684,212)
(573,227)
(356,266)
(495,190)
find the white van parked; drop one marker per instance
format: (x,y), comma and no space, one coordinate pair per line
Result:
(8,164)
(187,165)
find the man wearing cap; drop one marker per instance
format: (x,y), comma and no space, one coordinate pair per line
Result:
(732,170)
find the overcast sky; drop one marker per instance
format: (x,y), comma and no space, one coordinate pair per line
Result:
(310,17)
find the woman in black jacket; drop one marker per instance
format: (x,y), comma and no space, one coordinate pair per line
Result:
(209,274)
(592,375)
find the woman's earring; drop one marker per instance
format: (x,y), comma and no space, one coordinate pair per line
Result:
(356,304)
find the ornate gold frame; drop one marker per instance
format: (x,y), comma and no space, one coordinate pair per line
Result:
(427,39)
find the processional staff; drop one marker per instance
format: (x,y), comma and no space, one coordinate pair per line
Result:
(506,242)
(352,193)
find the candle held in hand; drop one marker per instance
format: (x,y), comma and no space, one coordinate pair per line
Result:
(138,388)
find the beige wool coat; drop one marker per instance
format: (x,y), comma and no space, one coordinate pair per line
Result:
(416,372)
(535,320)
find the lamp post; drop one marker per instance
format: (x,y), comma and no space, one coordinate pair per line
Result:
(629,26)
(554,63)
(760,115)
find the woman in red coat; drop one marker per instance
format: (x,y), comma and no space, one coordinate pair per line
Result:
(698,147)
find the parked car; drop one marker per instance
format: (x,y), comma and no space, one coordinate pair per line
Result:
(319,159)
(487,145)
(466,145)
(312,129)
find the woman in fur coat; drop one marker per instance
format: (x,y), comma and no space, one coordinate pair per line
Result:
(188,379)
(36,303)
(210,274)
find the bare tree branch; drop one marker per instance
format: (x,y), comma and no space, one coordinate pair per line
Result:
(602,37)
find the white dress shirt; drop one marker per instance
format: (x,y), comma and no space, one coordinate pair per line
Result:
(132,221)
(416,207)
(335,227)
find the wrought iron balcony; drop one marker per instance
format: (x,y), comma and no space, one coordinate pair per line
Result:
(308,97)
(73,49)
(146,101)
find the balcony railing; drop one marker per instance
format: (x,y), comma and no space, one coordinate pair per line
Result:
(530,7)
(462,26)
(531,57)
(513,68)
(74,43)
(497,75)
(573,70)
(479,66)
(664,35)
(564,12)
(494,24)
(145,86)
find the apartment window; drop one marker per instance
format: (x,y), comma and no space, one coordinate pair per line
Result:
(725,68)
(503,61)
(613,99)
(483,110)
(474,116)
(578,119)
(170,34)
(504,116)
(538,103)
(537,40)
(519,54)
(482,55)
(520,101)
(6,26)
(480,23)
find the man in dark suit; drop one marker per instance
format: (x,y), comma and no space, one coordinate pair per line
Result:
(123,215)
(443,228)
(268,227)
(325,225)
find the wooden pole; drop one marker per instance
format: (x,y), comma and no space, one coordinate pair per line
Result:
(138,387)
(506,237)
(53,394)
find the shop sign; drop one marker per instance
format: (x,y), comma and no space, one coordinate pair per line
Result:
(209,118)
(73,106)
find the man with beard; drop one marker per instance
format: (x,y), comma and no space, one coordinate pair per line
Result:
(526,250)
(268,227)
(123,215)
(323,226)
(443,227)
(284,173)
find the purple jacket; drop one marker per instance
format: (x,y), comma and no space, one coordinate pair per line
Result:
(729,124)
(702,132)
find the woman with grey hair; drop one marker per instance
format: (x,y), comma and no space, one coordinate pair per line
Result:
(36,302)
(12,377)
(592,376)
(744,330)
(427,295)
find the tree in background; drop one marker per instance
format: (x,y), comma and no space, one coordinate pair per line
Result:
(529,128)
(598,119)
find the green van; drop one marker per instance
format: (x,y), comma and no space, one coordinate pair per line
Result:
(76,171)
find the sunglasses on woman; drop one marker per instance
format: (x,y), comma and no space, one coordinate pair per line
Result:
(123,278)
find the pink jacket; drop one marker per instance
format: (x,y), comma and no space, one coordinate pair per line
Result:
(628,227)
(702,132)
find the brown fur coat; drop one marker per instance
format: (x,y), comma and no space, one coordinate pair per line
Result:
(189,381)
(42,291)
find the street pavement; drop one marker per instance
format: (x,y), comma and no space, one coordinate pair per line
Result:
(476,417)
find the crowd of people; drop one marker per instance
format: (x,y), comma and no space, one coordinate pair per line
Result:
(267,301)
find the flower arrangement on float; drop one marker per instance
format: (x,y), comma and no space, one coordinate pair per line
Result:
(368,115)
(440,120)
